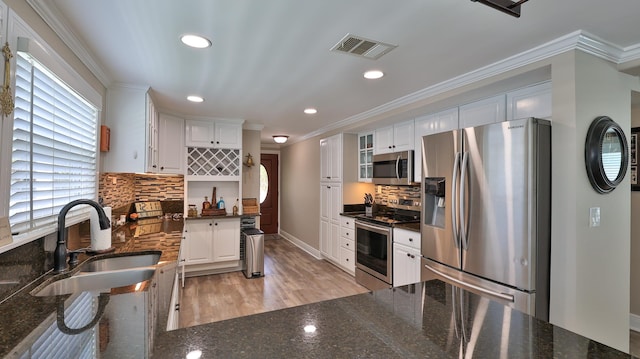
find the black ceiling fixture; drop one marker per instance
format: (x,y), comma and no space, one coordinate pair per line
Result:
(506,6)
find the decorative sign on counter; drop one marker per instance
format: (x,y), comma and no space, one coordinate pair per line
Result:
(5,231)
(148,209)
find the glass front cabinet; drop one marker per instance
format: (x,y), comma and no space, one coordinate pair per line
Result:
(365,157)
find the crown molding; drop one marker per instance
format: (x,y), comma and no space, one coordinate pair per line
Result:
(50,14)
(577,40)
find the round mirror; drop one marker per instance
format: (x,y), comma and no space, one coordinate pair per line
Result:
(606,154)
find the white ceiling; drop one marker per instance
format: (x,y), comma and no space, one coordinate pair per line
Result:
(271,59)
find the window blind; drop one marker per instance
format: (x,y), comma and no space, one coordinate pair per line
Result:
(54,147)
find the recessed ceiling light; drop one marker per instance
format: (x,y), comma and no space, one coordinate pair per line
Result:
(373,74)
(194,98)
(310,111)
(196,41)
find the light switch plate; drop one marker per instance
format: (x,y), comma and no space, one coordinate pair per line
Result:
(594,217)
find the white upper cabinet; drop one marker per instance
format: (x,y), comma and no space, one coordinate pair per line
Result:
(171,151)
(398,137)
(532,101)
(365,157)
(483,112)
(331,158)
(428,125)
(213,133)
(131,116)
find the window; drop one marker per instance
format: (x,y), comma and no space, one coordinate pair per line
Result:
(53,158)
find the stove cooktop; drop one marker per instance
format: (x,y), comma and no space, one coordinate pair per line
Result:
(391,218)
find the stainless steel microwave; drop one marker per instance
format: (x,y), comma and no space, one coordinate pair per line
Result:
(393,168)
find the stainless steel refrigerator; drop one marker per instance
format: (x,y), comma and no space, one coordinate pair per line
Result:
(486,211)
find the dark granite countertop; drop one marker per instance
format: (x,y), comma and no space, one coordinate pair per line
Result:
(425,320)
(128,316)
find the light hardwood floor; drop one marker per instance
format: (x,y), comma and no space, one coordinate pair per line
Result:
(292,278)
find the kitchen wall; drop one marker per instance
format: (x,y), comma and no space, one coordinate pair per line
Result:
(590,266)
(300,191)
(251,175)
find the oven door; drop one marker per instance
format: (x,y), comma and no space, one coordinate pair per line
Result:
(373,250)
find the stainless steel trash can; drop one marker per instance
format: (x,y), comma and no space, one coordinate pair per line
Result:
(253,252)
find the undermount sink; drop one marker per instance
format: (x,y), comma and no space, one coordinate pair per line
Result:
(96,281)
(122,262)
(102,274)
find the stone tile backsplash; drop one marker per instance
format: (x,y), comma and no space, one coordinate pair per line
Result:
(383,192)
(121,189)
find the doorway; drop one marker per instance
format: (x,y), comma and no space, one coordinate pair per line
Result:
(269,193)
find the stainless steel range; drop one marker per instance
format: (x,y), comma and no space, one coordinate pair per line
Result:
(374,241)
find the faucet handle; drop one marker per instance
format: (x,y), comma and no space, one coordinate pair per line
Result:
(73,256)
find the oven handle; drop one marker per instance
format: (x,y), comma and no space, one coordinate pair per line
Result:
(503,296)
(373,227)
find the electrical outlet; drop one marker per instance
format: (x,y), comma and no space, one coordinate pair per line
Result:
(594,217)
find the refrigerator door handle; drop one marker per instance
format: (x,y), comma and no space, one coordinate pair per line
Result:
(464,285)
(454,200)
(464,221)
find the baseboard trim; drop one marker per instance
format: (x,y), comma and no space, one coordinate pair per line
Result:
(301,244)
(634,322)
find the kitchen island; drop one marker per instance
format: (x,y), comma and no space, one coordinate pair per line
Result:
(429,319)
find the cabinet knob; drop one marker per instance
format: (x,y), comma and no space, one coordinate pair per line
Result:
(162,168)
(212,142)
(410,239)
(412,256)
(347,259)
(408,255)
(210,224)
(217,142)
(347,244)
(216,223)
(347,235)
(154,166)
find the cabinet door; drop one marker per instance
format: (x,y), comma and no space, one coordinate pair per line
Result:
(427,125)
(532,101)
(336,203)
(325,158)
(198,242)
(153,136)
(325,238)
(483,112)
(226,240)
(334,242)
(365,157)
(406,265)
(199,133)
(403,136)
(228,135)
(335,163)
(171,151)
(383,140)
(325,202)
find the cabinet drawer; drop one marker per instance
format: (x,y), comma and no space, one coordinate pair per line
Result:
(347,259)
(347,243)
(407,238)
(347,222)
(347,233)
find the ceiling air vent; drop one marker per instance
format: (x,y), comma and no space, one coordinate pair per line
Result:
(359,46)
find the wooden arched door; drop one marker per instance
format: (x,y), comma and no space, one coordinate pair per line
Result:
(269,205)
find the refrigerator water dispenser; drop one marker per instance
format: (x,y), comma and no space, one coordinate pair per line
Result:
(434,204)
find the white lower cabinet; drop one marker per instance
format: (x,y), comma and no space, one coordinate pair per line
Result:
(347,258)
(406,257)
(173,321)
(211,243)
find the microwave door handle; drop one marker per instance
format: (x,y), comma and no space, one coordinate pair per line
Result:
(454,200)
(398,167)
(464,220)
